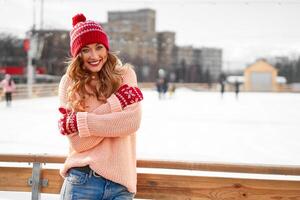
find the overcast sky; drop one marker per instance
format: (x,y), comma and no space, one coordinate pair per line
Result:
(244,29)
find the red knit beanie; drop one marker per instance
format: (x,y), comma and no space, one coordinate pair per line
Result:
(86,32)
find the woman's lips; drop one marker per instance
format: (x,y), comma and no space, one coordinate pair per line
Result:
(95,63)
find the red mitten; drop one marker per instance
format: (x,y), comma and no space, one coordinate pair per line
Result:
(68,122)
(128,95)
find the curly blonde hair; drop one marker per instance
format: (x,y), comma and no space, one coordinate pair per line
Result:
(110,79)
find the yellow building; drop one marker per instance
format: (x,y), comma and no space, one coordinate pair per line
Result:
(261,76)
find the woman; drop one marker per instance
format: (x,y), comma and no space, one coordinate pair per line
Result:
(9,87)
(100,113)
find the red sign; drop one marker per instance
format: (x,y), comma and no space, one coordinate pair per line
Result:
(13,70)
(26,45)
(19,70)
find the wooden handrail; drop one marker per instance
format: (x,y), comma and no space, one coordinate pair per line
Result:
(41,158)
(181,165)
(161,186)
(222,167)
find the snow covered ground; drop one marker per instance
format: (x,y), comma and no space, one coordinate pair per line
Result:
(194,126)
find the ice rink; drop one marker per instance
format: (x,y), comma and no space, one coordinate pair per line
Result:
(258,128)
(197,126)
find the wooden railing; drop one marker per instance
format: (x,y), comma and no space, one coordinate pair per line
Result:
(166,185)
(38,90)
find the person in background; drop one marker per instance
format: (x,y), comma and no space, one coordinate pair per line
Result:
(237,89)
(165,86)
(100,114)
(222,81)
(222,88)
(172,90)
(162,87)
(172,84)
(9,87)
(159,89)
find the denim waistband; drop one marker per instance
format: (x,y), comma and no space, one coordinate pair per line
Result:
(86,169)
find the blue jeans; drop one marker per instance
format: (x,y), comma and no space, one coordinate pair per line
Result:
(80,185)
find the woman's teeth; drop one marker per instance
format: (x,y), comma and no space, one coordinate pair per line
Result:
(95,62)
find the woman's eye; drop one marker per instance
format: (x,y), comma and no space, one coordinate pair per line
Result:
(85,50)
(99,47)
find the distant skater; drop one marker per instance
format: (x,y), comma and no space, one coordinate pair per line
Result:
(222,89)
(172,90)
(159,87)
(9,87)
(237,89)
(165,86)
(162,87)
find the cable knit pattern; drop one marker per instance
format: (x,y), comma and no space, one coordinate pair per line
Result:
(106,139)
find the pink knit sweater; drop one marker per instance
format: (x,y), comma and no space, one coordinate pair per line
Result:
(107,136)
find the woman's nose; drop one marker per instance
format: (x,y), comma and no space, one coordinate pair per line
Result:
(93,53)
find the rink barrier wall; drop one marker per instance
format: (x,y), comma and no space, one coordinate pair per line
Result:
(38,90)
(51,89)
(167,185)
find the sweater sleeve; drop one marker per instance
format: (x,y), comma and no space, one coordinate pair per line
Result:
(110,125)
(81,144)
(77,143)
(65,82)
(116,124)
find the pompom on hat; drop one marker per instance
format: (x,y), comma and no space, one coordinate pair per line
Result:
(86,32)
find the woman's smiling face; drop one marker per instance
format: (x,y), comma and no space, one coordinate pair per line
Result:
(94,56)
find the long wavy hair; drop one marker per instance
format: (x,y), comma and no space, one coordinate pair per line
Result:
(110,79)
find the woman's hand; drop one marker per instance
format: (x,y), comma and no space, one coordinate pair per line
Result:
(67,123)
(128,95)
